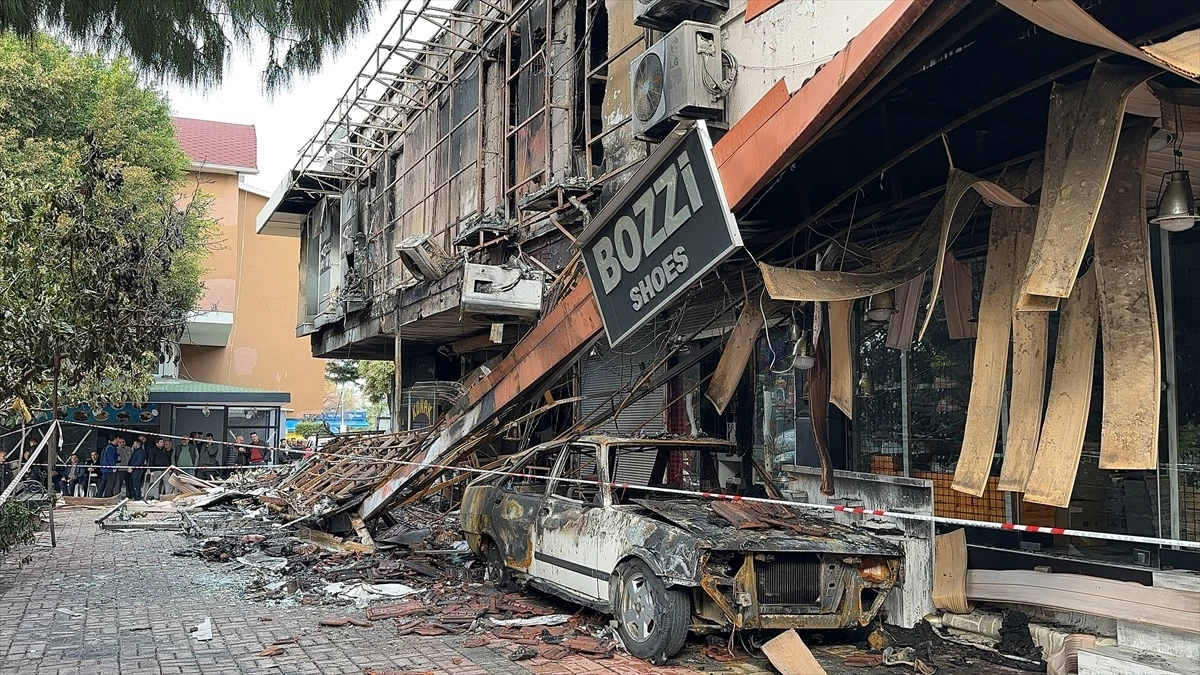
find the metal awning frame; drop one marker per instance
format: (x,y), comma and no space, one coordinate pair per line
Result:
(392,83)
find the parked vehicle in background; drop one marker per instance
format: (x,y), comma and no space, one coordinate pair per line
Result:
(664,564)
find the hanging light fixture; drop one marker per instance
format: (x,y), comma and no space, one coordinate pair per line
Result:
(866,387)
(1160,140)
(803,359)
(881,307)
(1176,208)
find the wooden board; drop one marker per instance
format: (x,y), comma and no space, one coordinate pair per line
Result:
(841,363)
(1128,318)
(957,187)
(1125,600)
(957,299)
(1027,395)
(788,653)
(1060,445)
(950,572)
(1064,110)
(904,321)
(990,369)
(1066,225)
(735,356)
(1030,341)
(908,259)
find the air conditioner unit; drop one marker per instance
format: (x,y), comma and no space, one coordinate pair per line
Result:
(669,80)
(666,14)
(424,258)
(493,294)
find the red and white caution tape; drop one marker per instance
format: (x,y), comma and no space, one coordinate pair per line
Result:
(857,510)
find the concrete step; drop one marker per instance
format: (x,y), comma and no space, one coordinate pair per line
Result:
(1125,661)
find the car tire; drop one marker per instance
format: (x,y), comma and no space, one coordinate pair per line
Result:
(652,619)
(495,570)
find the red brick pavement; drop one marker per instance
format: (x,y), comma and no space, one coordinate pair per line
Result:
(118,603)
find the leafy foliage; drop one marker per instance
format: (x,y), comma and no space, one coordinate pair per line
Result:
(313,428)
(19,522)
(342,371)
(99,262)
(379,381)
(190,40)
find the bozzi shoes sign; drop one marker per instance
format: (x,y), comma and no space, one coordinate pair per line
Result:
(664,230)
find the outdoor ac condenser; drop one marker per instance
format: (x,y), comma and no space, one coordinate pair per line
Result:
(668,80)
(495,294)
(424,258)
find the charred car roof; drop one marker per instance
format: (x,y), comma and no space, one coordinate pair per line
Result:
(697,517)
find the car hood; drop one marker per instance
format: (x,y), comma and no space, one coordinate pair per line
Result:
(715,532)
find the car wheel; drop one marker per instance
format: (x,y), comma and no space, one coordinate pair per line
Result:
(652,619)
(495,570)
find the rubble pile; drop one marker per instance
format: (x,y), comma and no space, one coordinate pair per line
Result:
(417,575)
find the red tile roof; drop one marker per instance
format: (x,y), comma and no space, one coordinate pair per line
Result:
(218,143)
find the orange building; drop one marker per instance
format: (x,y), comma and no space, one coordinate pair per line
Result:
(243,333)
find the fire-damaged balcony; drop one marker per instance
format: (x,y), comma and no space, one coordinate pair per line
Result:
(424,202)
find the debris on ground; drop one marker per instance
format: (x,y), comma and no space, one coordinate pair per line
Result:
(788,653)
(907,656)
(203,632)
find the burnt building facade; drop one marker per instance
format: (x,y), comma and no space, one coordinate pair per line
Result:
(442,210)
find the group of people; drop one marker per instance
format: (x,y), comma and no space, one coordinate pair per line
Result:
(134,466)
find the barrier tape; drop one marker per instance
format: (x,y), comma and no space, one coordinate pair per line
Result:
(12,486)
(899,515)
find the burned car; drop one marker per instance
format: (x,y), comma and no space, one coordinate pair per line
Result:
(576,519)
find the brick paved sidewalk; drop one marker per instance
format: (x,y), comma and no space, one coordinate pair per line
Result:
(119,603)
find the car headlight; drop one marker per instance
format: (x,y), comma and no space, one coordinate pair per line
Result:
(874,570)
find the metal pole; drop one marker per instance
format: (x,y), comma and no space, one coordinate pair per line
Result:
(52,452)
(904,411)
(1171,393)
(399,397)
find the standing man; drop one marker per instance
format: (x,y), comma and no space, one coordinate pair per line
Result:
(185,458)
(235,456)
(108,467)
(124,452)
(137,471)
(256,450)
(207,457)
(159,459)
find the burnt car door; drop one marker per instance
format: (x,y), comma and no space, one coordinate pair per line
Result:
(571,525)
(513,507)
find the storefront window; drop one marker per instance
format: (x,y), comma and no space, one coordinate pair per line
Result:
(781,432)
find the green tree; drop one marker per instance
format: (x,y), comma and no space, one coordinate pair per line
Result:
(342,371)
(379,382)
(313,428)
(190,41)
(99,259)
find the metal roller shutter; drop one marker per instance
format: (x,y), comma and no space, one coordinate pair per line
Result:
(614,371)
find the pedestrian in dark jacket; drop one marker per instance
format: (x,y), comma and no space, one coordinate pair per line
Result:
(137,471)
(109,480)
(159,459)
(72,475)
(207,454)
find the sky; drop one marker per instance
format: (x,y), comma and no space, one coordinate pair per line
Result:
(285,122)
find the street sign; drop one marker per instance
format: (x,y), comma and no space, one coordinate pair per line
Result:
(664,230)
